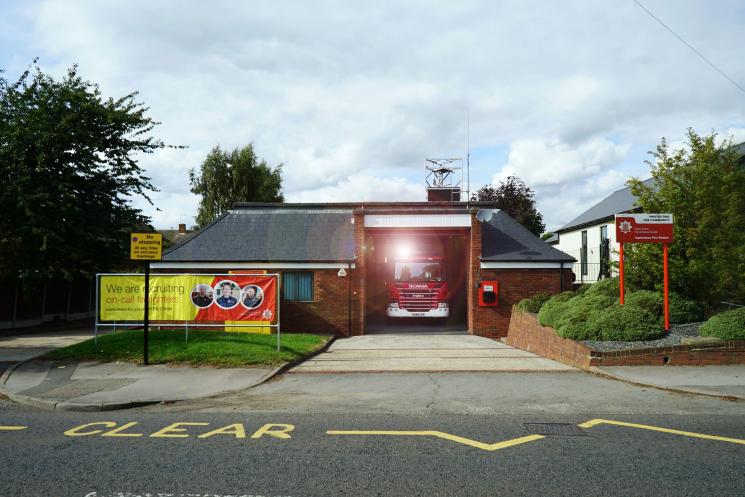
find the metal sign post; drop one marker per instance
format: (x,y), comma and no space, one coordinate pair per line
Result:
(146,319)
(645,228)
(147,247)
(665,287)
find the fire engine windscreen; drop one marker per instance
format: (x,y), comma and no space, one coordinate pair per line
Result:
(418,271)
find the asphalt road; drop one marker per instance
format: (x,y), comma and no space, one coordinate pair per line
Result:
(327,448)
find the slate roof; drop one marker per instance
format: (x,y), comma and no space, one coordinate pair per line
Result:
(617,202)
(505,240)
(273,234)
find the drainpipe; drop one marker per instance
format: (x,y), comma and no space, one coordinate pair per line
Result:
(561,276)
(349,303)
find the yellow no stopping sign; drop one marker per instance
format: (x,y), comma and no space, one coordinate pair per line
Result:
(146,246)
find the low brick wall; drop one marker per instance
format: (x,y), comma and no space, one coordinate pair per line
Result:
(527,334)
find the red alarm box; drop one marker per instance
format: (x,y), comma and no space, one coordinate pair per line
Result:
(488,293)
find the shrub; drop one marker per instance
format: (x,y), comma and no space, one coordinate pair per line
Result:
(683,310)
(608,287)
(583,288)
(727,325)
(534,303)
(647,300)
(627,323)
(552,309)
(577,319)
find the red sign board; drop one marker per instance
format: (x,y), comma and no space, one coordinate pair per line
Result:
(644,228)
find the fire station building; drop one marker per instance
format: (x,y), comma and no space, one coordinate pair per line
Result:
(395,267)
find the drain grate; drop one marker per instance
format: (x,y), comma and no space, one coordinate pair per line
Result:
(555,429)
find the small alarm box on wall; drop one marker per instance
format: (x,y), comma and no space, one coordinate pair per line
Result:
(488,293)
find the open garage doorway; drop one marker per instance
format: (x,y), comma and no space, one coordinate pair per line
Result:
(416,281)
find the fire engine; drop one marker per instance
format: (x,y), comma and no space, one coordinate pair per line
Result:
(418,288)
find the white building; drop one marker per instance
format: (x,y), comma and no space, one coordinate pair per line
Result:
(591,237)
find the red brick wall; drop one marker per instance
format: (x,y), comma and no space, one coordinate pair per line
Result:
(527,334)
(359,294)
(329,312)
(514,285)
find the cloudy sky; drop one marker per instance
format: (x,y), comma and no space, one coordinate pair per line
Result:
(352,96)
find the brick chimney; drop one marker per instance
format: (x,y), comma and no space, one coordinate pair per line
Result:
(182,228)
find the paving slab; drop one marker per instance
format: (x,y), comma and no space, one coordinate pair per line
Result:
(713,380)
(425,354)
(356,354)
(417,342)
(432,365)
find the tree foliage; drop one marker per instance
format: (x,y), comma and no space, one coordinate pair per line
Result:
(68,169)
(703,186)
(515,198)
(237,176)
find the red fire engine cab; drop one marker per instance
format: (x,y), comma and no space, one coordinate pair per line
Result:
(418,289)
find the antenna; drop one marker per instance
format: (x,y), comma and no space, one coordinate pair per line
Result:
(468,155)
(484,215)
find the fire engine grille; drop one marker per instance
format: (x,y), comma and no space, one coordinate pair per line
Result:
(417,300)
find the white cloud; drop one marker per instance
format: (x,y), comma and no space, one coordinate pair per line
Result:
(541,162)
(348,92)
(363,188)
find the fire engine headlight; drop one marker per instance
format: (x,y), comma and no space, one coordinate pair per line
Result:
(393,304)
(442,305)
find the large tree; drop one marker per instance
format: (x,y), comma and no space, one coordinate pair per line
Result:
(515,198)
(238,176)
(703,186)
(68,168)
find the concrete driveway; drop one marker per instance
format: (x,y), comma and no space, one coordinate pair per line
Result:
(425,354)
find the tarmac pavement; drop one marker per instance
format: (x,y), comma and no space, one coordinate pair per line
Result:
(93,386)
(724,381)
(104,386)
(18,348)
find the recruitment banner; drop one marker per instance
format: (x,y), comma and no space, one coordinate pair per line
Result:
(193,298)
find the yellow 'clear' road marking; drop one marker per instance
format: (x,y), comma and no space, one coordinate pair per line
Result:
(443,435)
(12,428)
(595,422)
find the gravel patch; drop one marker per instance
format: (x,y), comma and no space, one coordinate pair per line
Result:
(675,337)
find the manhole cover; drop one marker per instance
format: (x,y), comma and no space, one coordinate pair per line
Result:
(555,429)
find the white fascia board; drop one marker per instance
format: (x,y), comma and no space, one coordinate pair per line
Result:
(250,265)
(525,265)
(417,220)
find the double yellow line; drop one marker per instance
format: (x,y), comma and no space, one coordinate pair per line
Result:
(12,428)
(530,438)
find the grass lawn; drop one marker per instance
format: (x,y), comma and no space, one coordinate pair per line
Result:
(204,348)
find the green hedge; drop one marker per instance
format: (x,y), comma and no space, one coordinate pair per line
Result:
(579,313)
(652,302)
(627,323)
(727,325)
(534,303)
(683,310)
(608,287)
(593,312)
(551,310)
